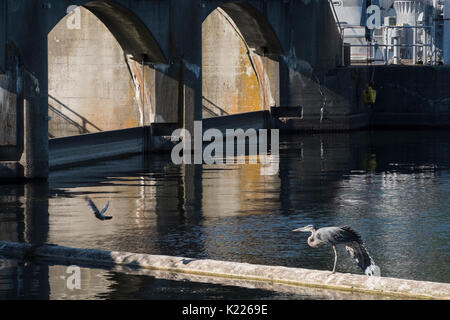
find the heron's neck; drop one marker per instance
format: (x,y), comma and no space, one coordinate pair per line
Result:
(311,241)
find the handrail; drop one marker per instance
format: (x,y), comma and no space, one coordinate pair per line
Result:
(333,9)
(386,46)
(83,119)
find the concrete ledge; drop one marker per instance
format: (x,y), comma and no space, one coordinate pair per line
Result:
(95,146)
(233,270)
(334,123)
(414,120)
(249,120)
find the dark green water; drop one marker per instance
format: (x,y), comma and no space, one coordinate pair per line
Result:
(393,187)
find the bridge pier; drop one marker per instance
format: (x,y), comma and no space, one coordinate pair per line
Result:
(189,49)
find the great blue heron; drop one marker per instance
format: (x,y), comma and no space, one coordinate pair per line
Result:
(348,237)
(98,214)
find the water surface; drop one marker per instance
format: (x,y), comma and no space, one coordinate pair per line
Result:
(392,187)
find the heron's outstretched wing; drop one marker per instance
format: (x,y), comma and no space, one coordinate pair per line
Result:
(105,208)
(91,205)
(347,234)
(338,235)
(353,244)
(358,252)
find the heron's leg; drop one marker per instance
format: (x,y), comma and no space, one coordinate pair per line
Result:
(335,257)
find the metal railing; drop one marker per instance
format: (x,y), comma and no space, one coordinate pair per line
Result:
(427,47)
(338,23)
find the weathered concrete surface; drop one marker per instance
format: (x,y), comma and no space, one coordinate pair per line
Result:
(84,148)
(231,73)
(95,85)
(3,32)
(8,114)
(308,293)
(249,120)
(89,83)
(222,269)
(96,146)
(76,150)
(293,33)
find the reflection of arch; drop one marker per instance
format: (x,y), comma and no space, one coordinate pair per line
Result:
(254,27)
(131,33)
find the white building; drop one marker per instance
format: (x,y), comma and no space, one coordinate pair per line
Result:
(404,23)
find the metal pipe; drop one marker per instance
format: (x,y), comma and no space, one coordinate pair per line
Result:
(391,45)
(430,48)
(343,48)
(336,17)
(386,51)
(396,36)
(415,48)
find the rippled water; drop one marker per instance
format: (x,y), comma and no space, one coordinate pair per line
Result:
(391,186)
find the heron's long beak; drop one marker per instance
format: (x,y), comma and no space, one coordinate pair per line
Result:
(299,229)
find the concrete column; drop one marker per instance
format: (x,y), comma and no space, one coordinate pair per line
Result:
(447,32)
(35,156)
(36,215)
(2,35)
(188,29)
(186,54)
(35,90)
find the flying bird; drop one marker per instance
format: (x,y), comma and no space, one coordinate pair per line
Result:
(98,214)
(345,235)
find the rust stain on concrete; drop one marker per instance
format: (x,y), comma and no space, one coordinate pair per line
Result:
(249,92)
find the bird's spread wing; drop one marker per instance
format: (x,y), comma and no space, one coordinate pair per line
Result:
(105,208)
(338,235)
(353,244)
(358,252)
(91,205)
(347,234)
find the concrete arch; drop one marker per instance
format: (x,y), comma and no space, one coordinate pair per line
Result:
(241,61)
(130,32)
(254,27)
(93,83)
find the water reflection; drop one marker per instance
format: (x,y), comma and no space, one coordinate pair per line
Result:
(392,187)
(26,281)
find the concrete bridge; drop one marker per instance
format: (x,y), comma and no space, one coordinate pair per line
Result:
(111,66)
(285,42)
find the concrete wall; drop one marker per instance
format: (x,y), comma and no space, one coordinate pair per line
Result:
(90,85)
(412,96)
(8,114)
(11,119)
(95,86)
(3,32)
(161,32)
(407,96)
(230,81)
(308,59)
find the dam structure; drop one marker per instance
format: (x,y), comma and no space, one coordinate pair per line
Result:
(91,79)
